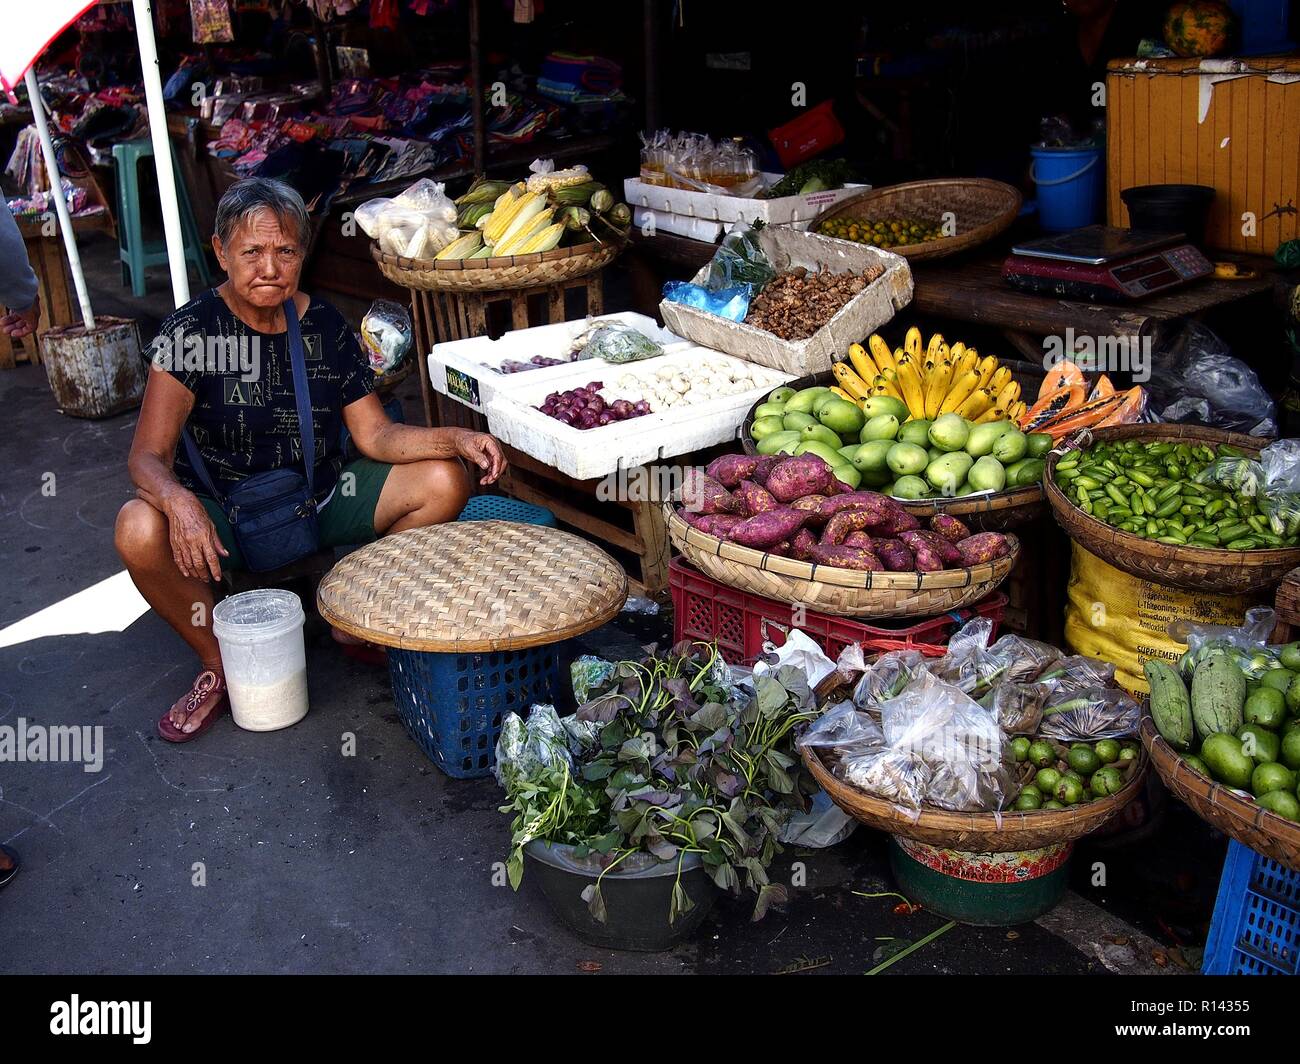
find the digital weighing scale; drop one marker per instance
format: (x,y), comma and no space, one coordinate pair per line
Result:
(1101,263)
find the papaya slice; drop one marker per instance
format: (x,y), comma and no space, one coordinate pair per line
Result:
(1063,374)
(1128,411)
(1117,409)
(1102,388)
(1053,405)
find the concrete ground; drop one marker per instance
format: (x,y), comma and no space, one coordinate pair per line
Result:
(273,852)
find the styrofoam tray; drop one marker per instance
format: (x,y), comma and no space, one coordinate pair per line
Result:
(585,454)
(706,215)
(464,369)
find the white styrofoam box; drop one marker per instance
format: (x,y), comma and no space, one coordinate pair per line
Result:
(585,454)
(647,219)
(464,369)
(866,312)
(684,362)
(717,211)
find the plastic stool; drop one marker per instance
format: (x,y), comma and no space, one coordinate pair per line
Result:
(134,253)
(502,508)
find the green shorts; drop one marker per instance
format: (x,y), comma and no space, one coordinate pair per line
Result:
(347,519)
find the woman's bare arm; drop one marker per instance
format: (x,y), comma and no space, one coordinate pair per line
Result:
(378,437)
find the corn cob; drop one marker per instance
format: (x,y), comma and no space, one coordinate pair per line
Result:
(862,363)
(522,229)
(558,179)
(471,213)
(601,200)
(960,391)
(976,403)
(910,385)
(575,218)
(483,191)
(503,216)
(544,240)
(850,382)
(462,247)
(485,252)
(575,195)
(880,353)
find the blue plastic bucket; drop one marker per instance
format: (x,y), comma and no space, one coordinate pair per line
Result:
(1069,184)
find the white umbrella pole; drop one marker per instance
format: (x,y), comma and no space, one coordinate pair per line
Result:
(162,151)
(56,194)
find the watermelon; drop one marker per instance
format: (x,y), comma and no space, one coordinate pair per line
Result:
(1199,27)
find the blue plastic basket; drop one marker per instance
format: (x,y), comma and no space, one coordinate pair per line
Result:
(501,508)
(1256,926)
(453,704)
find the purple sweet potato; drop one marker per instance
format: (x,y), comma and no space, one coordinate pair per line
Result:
(782,548)
(802,544)
(947,552)
(983,547)
(843,523)
(812,504)
(766,464)
(951,528)
(690,516)
(899,520)
(926,559)
(753,499)
(731,469)
(768,529)
(873,503)
(704,495)
(860,539)
(719,524)
(895,555)
(838,556)
(796,477)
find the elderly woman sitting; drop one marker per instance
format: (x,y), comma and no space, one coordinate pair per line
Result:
(223,370)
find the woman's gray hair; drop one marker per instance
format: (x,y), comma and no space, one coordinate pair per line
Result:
(245,198)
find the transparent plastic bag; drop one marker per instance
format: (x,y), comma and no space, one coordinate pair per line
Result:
(589,674)
(1246,644)
(887,677)
(527,748)
(386,334)
(730,303)
(845,729)
(416,224)
(1280,501)
(617,342)
(740,260)
(1090,714)
(1195,377)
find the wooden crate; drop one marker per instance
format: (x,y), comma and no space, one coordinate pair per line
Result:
(1287,605)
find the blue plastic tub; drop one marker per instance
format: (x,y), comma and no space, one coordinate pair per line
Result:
(1069,184)
(501,508)
(1256,926)
(452,704)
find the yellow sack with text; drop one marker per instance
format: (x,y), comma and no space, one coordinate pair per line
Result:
(1125,620)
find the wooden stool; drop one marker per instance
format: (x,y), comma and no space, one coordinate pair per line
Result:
(473,613)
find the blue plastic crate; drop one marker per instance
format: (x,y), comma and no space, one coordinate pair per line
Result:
(501,508)
(1256,926)
(453,704)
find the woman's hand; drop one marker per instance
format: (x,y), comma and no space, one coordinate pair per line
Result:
(196,548)
(20,323)
(484,451)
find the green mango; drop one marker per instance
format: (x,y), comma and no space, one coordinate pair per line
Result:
(871,456)
(917,432)
(823,401)
(849,449)
(987,474)
(1038,444)
(802,402)
(1010,447)
(950,432)
(1222,753)
(1025,472)
(907,459)
(875,478)
(768,410)
(839,415)
(909,487)
(982,437)
(781,395)
(765,426)
(778,442)
(795,420)
(846,473)
(947,474)
(1258,743)
(935,453)
(832,457)
(880,427)
(818,431)
(884,404)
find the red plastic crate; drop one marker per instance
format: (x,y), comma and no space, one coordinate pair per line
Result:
(741,623)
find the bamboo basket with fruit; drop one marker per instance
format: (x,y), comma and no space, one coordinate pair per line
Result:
(1188,535)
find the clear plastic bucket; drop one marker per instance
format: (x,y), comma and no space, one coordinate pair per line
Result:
(262,649)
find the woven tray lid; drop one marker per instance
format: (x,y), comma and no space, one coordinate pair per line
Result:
(473,586)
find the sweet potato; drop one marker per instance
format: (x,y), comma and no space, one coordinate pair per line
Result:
(947,552)
(925,559)
(704,495)
(766,464)
(782,548)
(690,516)
(878,506)
(951,528)
(796,477)
(802,544)
(768,529)
(843,523)
(860,539)
(895,555)
(838,556)
(731,469)
(753,499)
(838,487)
(719,524)
(811,504)
(899,520)
(983,547)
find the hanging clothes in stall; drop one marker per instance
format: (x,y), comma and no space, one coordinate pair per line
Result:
(211,21)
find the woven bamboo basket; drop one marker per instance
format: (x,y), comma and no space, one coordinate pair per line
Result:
(982,208)
(497,274)
(844,592)
(1193,568)
(1221,807)
(992,512)
(1006,832)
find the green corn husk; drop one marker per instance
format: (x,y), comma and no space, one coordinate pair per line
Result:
(483,191)
(485,252)
(470,214)
(575,218)
(462,246)
(620,214)
(602,201)
(576,195)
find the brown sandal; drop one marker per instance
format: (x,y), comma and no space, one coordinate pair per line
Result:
(208,688)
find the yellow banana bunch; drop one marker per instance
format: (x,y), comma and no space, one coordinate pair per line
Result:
(909,383)
(862,363)
(963,387)
(880,352)
(937,382)
(850,382)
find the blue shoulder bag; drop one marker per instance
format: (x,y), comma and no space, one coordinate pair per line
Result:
(273,514)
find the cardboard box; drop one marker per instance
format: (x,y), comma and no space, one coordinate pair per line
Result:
(1232,124)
